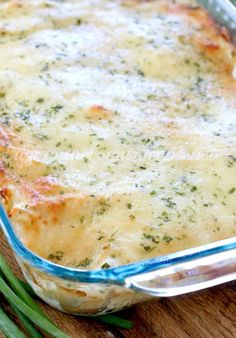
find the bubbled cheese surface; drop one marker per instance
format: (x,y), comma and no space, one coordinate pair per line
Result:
(118,128)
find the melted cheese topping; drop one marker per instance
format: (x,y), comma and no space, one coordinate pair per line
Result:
(118,128)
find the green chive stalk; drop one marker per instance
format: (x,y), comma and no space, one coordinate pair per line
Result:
(17,287)
(26,323)
(34,316)
(115,321)
(8,327)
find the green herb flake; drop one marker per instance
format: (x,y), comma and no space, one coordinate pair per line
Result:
(57,107)
(140,72)
(56,256)
(81,219)
(167,239)
(105,266)
(232,190)
(151,237)
(148,248)
(151,97)
(78,21)
(40,100)
(85,262)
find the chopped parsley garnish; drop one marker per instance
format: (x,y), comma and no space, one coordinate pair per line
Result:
(105,266)
(40,100)
(132,217)
(78,21)
(85,262)
(167,238)
(151,97)
(148,248)
(232,190)
(56,256)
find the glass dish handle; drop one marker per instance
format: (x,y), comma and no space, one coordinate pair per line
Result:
(181,278)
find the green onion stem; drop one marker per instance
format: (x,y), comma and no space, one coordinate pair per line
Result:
(27,288)
(34,316)
(17,287)
(26,323)
(115,321)
(8,327)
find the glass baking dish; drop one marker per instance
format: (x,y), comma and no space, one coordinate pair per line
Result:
(103,291)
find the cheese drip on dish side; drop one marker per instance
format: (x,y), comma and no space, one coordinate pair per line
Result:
(118,128)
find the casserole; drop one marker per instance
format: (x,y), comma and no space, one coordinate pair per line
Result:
(35,200)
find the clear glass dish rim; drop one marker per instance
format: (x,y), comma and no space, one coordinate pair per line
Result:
(116,275)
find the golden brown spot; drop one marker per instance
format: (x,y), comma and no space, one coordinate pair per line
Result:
(81,293)
(28,222)
(97,112)
(225,34)
(48,186)
(209,45)
(106,247)
(15,4)
(56,206)
(74,292)
(54,220)
(6,194)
